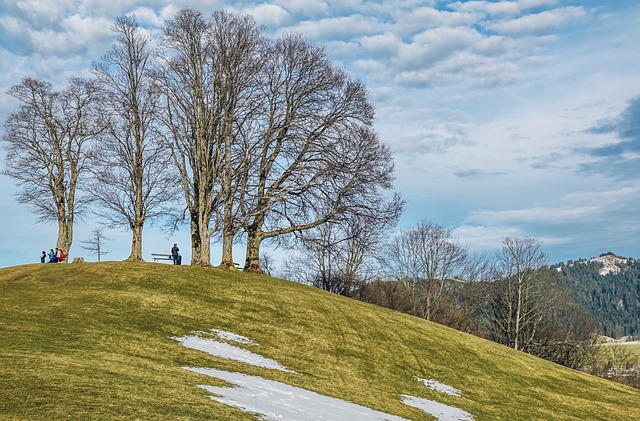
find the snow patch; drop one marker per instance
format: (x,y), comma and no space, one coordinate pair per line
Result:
(230,352)
(439,410)
(609,264)
(440,387)
(278,401)
(273,400)
(233,337)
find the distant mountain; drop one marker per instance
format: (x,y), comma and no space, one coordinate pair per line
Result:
(609,287)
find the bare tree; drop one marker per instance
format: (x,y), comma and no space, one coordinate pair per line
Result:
(94,245)
(133,179)
(425,258)
(567,332)
(388,294)
(267,262)
(192,121)
(237,48)
(342,254)
(46,143)
(317,161)
(319,262)
(521,296)
(314,152)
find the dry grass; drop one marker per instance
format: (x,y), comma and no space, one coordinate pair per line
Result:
(93,341)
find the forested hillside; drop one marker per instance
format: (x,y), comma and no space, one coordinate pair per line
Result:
(609,287)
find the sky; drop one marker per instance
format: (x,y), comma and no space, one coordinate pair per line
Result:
(506,118)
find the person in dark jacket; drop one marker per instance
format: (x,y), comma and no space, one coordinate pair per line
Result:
(175,253)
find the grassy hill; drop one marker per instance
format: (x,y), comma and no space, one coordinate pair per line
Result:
(95,341)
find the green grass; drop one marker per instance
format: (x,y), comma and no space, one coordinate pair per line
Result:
(635,348)
(93,341)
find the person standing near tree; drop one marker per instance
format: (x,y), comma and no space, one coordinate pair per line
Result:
(175,254)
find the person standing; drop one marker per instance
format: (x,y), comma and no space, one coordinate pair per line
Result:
(43,257)
(175,254)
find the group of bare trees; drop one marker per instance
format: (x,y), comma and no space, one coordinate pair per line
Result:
(512,297)
(425,259)
(265,139)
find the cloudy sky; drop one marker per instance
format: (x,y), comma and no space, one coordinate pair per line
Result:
(506,118)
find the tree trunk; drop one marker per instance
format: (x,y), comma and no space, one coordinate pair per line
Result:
(205,245)
(227,249)
(200,238)
(65,231)
(63,242)
(196,244)
(136,243)
(519,303)
(228,231)
(252,261)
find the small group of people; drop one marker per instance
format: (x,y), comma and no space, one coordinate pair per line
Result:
(175,254)
(54,256)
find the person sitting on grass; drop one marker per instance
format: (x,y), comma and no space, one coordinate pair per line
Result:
(52,256)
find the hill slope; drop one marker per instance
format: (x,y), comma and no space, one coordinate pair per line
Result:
(98,341)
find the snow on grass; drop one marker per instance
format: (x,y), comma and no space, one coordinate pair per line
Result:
(233,337)
(439,410)
(440,387)
(229,352)
(273,400)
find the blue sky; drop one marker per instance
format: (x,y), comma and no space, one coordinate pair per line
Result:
(506,118)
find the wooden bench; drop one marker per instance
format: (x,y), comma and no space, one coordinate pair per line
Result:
(160,256)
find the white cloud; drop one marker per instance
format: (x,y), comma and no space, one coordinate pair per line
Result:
(387,43)
(534,215)
(269,15)
(430,17)
(147,17)
(43,12)
(540,22)
(112,8)
(481,238)
(430,47)
(462,69)
(307,8)
(624,195)
(435,44)
(339,27)
(80,35)
(501,8)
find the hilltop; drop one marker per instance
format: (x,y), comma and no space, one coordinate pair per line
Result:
(611,263)
(609,287)
(136,340)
